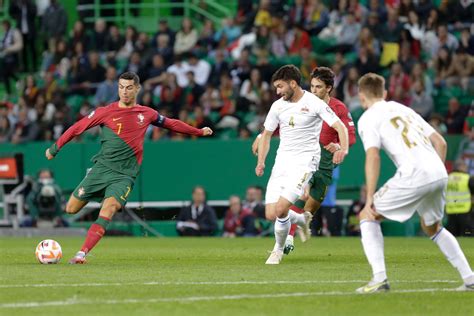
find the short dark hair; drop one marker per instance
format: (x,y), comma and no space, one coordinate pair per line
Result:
(324,74)
(130,76)
(287,73)
(372,85)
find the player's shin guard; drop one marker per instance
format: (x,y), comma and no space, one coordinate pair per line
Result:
(282,227)
(450,248)
(372,241)
(95,233)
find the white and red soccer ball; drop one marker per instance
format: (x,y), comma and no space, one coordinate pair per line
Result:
(48,251)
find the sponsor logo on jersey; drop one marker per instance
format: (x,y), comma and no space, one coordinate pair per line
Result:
(304,109)
(141,119)
(116,119)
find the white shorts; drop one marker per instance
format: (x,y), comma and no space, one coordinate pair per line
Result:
(399,203)
(289,181)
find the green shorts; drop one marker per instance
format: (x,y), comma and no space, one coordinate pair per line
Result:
(322,178)
(102,182)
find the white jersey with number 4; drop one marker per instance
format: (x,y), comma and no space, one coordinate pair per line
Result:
(300,126)
(405,137)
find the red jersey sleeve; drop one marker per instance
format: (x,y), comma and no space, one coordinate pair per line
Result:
(176,125)
(346,118)
(95,118)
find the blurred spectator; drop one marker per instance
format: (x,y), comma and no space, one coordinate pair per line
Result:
(467,41)
(238,221)
(11,45)
(192,92)
(198,219)
(445,39)
(420,101)
(30,91)
(163,47)
(349,34)
(459,201)
(405,57)
(155,74)
(199,67)
(352,218)
(254,201)
(179,69)
(455,117)
(366,61)
(251,91)
(398,79)
(418,73)
(210,100)
(107,91)
(317,17)
(170,94)
(278,42)
(113,42)
(308,63)
(5,129)
(163,28)
(54,23)
(24,130)
(262,44)
(24,13)
(351,92)
(206,40)
(298,39)
(45,199)
(392,29)
(297,13)
(263,16)
(186,38)
(443,65)
(78,34)
(219,67)
(462,72)
(99,36)
(128,46)
(228,33)
(135,65)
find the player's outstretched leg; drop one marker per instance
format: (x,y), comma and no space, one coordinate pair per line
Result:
(289,243)
(97,230)
(449,246)
(372,242)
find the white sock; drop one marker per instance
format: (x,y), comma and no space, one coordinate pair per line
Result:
(296,218)
(372,241)
(282,228)
(452,251)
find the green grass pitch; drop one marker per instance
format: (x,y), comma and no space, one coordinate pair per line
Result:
(171,276)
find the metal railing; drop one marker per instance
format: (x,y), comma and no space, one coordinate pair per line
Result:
(152,12)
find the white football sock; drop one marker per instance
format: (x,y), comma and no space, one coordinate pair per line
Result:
(296,218)
(282,228)
(372,241)
(452,251)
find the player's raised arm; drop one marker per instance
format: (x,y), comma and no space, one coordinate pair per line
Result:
(263,148)
(93,119)
(181,127)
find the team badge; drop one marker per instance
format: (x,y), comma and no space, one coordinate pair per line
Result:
(81,191)
(304,109)
(141,119)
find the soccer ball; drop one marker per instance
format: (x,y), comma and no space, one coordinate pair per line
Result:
(48,251)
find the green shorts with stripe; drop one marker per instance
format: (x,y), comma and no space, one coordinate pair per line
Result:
(102,182)
(322,178)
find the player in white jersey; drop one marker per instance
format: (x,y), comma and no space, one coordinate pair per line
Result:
(419,183)
(299,115)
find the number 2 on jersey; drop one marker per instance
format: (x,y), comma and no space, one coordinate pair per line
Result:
(395,122)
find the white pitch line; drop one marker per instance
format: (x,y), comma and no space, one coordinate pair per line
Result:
(151,283)
(202,298)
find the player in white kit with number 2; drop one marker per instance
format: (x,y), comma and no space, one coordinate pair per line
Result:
(419,183)
(299,115)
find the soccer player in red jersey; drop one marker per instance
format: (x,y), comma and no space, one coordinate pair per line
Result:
(117,165)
